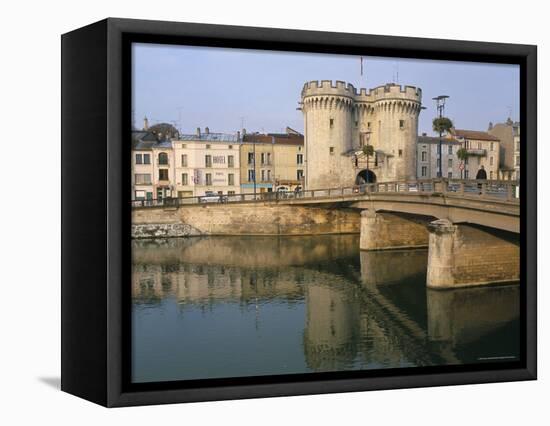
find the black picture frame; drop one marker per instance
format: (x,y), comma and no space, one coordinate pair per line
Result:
(96,211)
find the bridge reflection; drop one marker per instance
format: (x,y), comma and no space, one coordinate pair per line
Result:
(367,309)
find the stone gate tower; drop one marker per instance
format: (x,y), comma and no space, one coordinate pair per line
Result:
(339,120)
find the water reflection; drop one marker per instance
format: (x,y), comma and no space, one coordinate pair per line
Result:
(236,306)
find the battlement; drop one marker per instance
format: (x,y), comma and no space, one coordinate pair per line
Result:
(395,91)
(328,87)
(341,88)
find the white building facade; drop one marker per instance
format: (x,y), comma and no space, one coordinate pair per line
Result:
(206,162)
(427,158)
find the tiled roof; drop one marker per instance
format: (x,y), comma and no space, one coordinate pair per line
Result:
(146,141)
(434,139)
(257,138)
(210,137)
(475,135)
(274,138)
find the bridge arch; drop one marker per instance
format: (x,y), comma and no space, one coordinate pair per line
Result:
(365,176)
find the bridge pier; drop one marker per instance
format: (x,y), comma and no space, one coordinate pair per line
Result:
(466,255)
(385,231)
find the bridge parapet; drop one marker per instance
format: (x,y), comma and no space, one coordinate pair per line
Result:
(499,190)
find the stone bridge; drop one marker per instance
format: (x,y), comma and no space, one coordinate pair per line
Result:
(470,227)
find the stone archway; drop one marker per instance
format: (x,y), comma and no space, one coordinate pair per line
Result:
(365,176)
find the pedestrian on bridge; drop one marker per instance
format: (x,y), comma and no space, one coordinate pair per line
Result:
(481,175)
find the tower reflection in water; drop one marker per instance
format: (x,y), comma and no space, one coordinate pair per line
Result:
(246,306)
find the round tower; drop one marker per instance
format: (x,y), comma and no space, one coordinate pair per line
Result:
(396,112)
(339,119)
(328,120)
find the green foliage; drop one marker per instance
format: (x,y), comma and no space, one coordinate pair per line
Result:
(442,124)
(368,150)
(462,154)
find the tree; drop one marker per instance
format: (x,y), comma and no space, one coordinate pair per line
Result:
(442,124)
(368,150)
(462,155)
(165,129)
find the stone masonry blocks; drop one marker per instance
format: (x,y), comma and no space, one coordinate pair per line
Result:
(384,231)
(464,255)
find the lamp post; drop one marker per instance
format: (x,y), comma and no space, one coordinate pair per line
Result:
(367,139)
(254,166)
(440,105)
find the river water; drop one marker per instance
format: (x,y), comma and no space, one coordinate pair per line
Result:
(219,307)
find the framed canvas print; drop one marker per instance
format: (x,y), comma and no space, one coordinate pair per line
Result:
(253,212)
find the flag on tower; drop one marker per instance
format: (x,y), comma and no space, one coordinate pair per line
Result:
(361,66)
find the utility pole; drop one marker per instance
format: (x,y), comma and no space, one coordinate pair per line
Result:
(440,104)
(180,123)
(254,165)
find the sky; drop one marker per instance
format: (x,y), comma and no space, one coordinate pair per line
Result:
(229,89)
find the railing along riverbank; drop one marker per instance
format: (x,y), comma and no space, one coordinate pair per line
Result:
(497,190)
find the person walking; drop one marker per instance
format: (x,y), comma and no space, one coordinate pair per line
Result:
(481,175)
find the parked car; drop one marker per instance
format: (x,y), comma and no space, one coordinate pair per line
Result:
(212,197)
(412,187)
(283,192)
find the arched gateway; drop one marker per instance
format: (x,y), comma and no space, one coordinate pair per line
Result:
(365,176)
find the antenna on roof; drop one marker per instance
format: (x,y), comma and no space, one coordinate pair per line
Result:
(179,119)
(395,74)
(362,72)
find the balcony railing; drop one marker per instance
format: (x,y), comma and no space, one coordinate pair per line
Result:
(473,151)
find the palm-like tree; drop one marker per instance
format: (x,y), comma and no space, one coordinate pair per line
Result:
(462,155)
(368,150)
(442,125)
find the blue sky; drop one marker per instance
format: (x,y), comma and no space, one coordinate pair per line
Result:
(221,88)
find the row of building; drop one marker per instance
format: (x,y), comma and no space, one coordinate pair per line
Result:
(187,165)
(496,150)
(173,165)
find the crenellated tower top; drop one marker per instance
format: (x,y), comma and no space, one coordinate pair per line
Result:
(388,92)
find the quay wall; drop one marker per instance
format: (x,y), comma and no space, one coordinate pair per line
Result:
(242,219)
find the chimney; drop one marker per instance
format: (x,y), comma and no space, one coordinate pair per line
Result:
(206,130)
(145,123)
(198,131)
(490,125)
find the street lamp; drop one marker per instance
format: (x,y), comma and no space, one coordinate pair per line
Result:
(254,166)
(367,139)
(440,105)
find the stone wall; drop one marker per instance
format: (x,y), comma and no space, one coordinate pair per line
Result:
(243,219)
(164,230)
(383,231)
